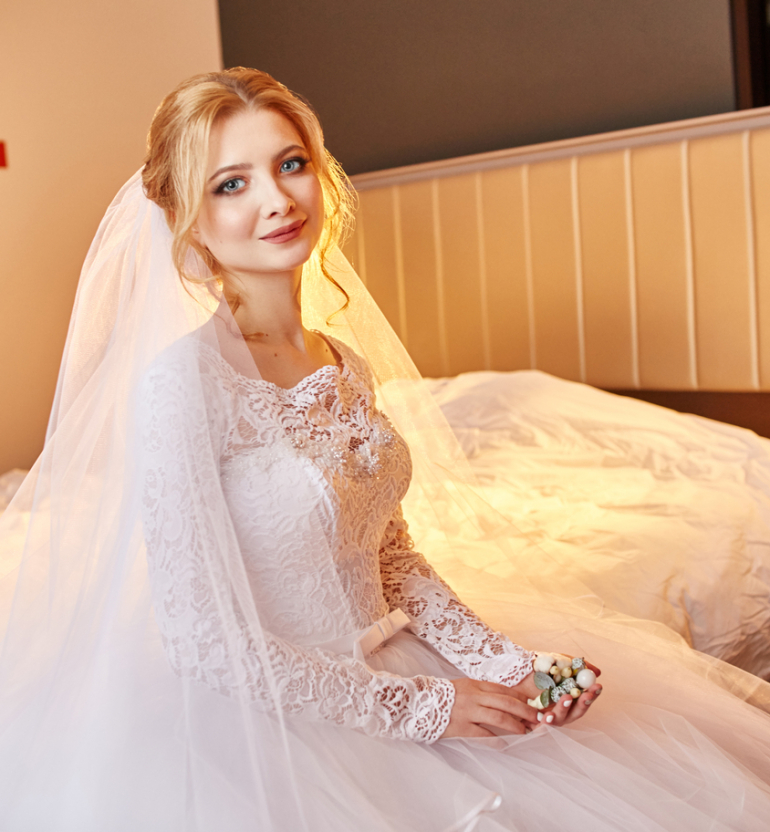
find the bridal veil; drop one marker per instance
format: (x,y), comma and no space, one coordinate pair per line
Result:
(101,724)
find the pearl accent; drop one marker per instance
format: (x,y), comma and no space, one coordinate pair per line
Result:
(585,678)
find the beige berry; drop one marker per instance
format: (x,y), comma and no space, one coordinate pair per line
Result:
(543,662)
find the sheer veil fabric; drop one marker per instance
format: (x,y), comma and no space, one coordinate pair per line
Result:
(119,709)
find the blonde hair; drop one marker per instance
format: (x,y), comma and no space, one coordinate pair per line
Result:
(178,146)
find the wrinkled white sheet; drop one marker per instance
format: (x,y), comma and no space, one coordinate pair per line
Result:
(662,515)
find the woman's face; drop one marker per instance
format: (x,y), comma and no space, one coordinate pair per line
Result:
(262,210)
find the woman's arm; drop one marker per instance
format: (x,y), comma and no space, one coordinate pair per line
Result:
(439,617)
(269,671)
(500,672)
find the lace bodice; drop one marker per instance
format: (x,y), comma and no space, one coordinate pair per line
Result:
(311,480)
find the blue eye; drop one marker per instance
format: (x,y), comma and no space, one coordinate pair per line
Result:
(231,186)
(293,165)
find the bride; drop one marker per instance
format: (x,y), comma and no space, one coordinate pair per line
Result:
(219,617)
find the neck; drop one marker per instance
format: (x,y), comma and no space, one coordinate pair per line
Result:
(268,307)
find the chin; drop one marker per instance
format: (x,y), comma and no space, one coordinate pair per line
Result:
(269,262)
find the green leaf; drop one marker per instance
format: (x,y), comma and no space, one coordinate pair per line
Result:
(543,681)
(545,698)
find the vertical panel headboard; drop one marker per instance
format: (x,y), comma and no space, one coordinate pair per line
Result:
(636,259)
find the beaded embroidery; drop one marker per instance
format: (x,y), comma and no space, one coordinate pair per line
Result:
(358,458)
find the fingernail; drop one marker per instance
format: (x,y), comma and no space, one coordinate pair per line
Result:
(549,718)
(539,717)
(589,701)
(568,702)
(598,692)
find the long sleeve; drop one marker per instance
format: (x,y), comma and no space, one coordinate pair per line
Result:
(439,617)
(195,588)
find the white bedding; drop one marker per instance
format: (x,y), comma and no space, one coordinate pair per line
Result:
(662,515)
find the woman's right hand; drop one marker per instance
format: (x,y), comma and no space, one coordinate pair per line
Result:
(481,704)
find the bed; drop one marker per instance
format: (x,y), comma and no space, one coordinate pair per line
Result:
(660,515)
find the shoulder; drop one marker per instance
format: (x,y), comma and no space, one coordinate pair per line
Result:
(187,359)
(187,377)
(356,364)
(179,358)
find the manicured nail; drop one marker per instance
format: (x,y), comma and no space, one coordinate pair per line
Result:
(539,717)
(589,701)
(598,692)
(549,718)
(568,702)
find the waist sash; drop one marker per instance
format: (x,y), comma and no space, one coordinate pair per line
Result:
(364,642)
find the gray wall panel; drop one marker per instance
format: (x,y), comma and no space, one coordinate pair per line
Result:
(400,82)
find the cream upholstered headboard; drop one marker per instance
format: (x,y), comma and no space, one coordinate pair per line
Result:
(637,259)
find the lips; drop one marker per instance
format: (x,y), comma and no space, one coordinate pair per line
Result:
(284,234)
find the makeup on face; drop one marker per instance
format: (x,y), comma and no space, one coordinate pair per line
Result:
(262,211)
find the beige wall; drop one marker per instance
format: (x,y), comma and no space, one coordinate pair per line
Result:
(79,82)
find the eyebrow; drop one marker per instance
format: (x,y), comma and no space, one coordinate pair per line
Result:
(242,166)
(247,166)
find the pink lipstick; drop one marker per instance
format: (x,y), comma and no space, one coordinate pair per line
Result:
(285,234)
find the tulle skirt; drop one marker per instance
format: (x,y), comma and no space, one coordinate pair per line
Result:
(670,745)
(677,741)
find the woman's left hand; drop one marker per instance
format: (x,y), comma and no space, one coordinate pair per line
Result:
(567,709)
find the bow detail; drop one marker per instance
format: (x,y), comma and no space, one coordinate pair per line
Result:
(382,629)
(364,642)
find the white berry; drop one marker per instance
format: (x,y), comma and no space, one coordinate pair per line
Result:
(585,678)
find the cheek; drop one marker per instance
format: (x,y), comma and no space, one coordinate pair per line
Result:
(314,200)
(224,223)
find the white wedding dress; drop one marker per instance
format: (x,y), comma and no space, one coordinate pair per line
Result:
(313,477)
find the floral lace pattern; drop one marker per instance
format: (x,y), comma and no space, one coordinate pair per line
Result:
(272,525)
(439,617)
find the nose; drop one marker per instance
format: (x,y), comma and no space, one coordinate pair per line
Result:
(276,201)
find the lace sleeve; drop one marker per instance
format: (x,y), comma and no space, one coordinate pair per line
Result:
(186,523)
(439,617)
